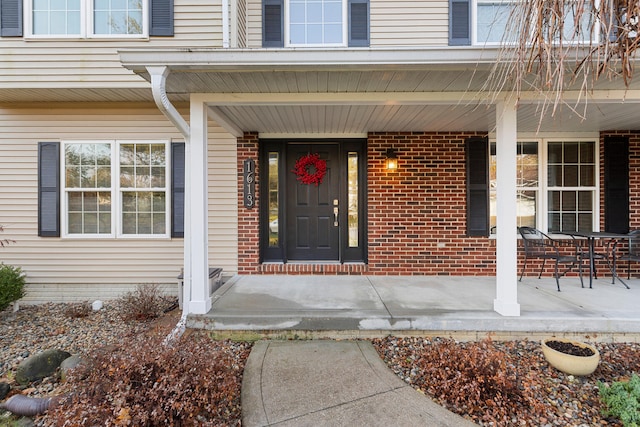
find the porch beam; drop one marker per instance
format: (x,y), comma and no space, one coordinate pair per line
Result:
(196,251)
(222,120)
(506,302)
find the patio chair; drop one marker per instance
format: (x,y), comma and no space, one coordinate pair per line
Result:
(607,255)
(632,253)
(538,245)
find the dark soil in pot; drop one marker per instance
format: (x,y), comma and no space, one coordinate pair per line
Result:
(568,348)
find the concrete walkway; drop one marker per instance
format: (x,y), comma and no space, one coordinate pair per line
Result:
(331,383)
(345,383)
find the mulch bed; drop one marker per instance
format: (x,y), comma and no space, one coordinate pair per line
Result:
(507,383)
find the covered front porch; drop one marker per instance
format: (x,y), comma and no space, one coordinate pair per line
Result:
(460,307)
(382,95)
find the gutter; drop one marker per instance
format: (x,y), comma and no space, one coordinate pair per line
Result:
(158,87)
(159,76)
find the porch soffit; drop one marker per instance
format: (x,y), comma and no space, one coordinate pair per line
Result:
(353,91)
(356,91)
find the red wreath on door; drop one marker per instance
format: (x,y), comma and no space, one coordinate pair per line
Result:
(310,169)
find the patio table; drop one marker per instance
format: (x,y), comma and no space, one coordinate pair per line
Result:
(591,237)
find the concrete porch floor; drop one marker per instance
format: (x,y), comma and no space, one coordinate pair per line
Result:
(460,307)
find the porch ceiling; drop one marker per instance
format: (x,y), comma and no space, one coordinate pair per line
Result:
(359,91)
(359,119)
(357,102)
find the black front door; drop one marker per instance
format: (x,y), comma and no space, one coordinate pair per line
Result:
(312,211)
(305,222)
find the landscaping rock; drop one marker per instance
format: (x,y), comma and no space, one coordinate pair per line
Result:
(39,366)
(23,422)
(4,390)
(68,364)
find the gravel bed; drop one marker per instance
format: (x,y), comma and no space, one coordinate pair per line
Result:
(35,328)
(464,377)
(457,375)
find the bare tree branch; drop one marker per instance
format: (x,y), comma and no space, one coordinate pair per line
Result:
(551,46)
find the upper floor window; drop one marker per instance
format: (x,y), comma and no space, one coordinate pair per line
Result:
(87,18)
(315,23)
(490,22)
(494,20)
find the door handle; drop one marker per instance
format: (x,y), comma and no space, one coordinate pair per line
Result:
(335,216)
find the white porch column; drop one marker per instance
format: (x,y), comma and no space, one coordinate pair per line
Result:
(196,244)
(506,302)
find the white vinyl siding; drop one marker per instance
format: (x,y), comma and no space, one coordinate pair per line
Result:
(75,63)
(254,23)
(88,268)
(409,23)
(241,24)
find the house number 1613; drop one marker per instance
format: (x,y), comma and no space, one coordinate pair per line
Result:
(249,183)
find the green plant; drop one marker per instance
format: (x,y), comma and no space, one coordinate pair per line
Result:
(12,281)
(622,400)
(145,303)
(10,421)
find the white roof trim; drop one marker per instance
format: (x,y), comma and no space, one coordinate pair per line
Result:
(449,57)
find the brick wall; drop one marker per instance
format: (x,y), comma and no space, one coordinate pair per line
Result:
(416,215)
(417,219)
(248,219)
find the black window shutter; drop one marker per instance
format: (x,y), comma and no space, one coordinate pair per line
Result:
(273,23)
(616,184)
(358,23)
(459,23)
(177,189)
(161,18)
(11,18)
(49,189)
(477,169)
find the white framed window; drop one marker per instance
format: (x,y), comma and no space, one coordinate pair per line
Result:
(571,186)
(316,22)
(557,184)
(87,18)
(116,189)
(491,18)
(527,184)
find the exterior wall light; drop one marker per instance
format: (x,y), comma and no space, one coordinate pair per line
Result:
(391,160)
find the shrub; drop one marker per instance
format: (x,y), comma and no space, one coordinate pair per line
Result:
(77,310)
(145,303)
(477,377)
(142,383)
(12,281)
(622,400)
